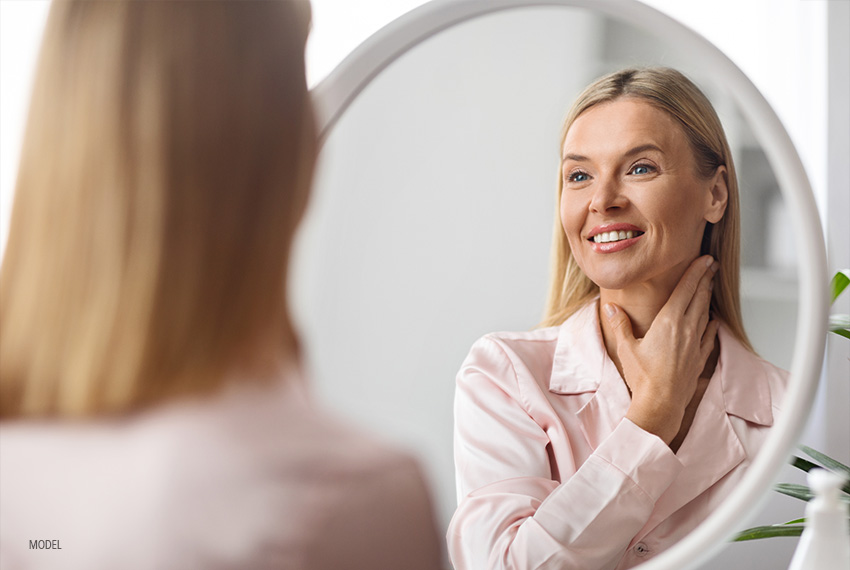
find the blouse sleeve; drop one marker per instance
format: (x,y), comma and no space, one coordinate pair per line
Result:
(511,513)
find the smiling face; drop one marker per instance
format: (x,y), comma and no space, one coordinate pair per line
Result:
(633,206)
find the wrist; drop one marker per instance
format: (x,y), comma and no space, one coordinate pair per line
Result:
(661,420)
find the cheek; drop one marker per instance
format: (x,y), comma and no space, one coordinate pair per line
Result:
(686,212)
(572,220)
(680,218)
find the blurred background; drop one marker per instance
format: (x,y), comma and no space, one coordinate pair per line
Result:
(432,213)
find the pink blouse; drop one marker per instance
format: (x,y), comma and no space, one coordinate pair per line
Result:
(551,475)
(254,477)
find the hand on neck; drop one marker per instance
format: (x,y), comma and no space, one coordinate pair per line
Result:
(641,302)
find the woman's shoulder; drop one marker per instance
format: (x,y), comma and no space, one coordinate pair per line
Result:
(748,377)
(518,363)
(514,345)
(742,357)
(334,494)
(377,508)
(323,487)
(278,437)
(777,380)
(535,355)
(256,477)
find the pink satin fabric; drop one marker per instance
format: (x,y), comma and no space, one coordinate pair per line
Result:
(254,477)
(550,474)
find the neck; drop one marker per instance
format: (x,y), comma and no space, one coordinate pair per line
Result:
(641,302)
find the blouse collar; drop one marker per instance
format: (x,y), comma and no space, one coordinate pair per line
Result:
(581,364)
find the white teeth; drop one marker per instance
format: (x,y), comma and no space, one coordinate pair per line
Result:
(607,237)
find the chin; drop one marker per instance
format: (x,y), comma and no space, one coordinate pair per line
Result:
(612,278)
(613,283)
(618,277)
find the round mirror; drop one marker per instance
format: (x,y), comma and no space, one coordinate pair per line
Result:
(432,214)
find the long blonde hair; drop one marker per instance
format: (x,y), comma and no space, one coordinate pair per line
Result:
(673,93)
(166,163)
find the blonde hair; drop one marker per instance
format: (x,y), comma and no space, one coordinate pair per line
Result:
(673,93)
(166,163)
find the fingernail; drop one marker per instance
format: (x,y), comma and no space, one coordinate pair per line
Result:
(609,310)
(708,261)
(715,266)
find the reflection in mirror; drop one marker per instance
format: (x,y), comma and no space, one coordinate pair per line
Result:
(432,216)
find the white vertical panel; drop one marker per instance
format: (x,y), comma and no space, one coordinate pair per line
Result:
(21,26)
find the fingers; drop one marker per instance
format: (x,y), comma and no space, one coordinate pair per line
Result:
(702,321)
(707,342)
(698,308)
(620,322)
(689,285)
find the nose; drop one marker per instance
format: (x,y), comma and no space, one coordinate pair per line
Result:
(607,195)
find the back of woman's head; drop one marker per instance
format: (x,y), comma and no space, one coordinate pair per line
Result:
(166,163)
(672,92)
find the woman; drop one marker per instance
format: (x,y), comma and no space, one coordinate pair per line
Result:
(600,440)
(153,410)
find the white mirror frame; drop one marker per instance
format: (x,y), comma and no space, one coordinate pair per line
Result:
(333,96)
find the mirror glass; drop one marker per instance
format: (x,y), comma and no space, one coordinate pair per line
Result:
(432,214)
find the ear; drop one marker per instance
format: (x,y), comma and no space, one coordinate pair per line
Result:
(717,196)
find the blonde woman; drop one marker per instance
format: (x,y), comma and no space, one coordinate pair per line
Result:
(601,439)
(154,414)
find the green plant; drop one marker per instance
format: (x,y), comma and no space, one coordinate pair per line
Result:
(840,325)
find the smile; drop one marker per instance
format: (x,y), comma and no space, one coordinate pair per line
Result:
(614,236)
(611,238)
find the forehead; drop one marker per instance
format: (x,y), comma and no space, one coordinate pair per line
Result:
(622,124)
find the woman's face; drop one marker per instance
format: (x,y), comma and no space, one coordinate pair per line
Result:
(633,206)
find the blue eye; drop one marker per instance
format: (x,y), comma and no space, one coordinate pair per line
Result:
(641,169)
(578,176)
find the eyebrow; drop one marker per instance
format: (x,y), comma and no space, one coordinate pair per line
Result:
(636,150)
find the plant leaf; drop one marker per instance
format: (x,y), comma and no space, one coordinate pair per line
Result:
(801,492)
(797,521)
(841,332)
(839,282)
(839,321)
(826,461)
(770,531)
(803,464)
